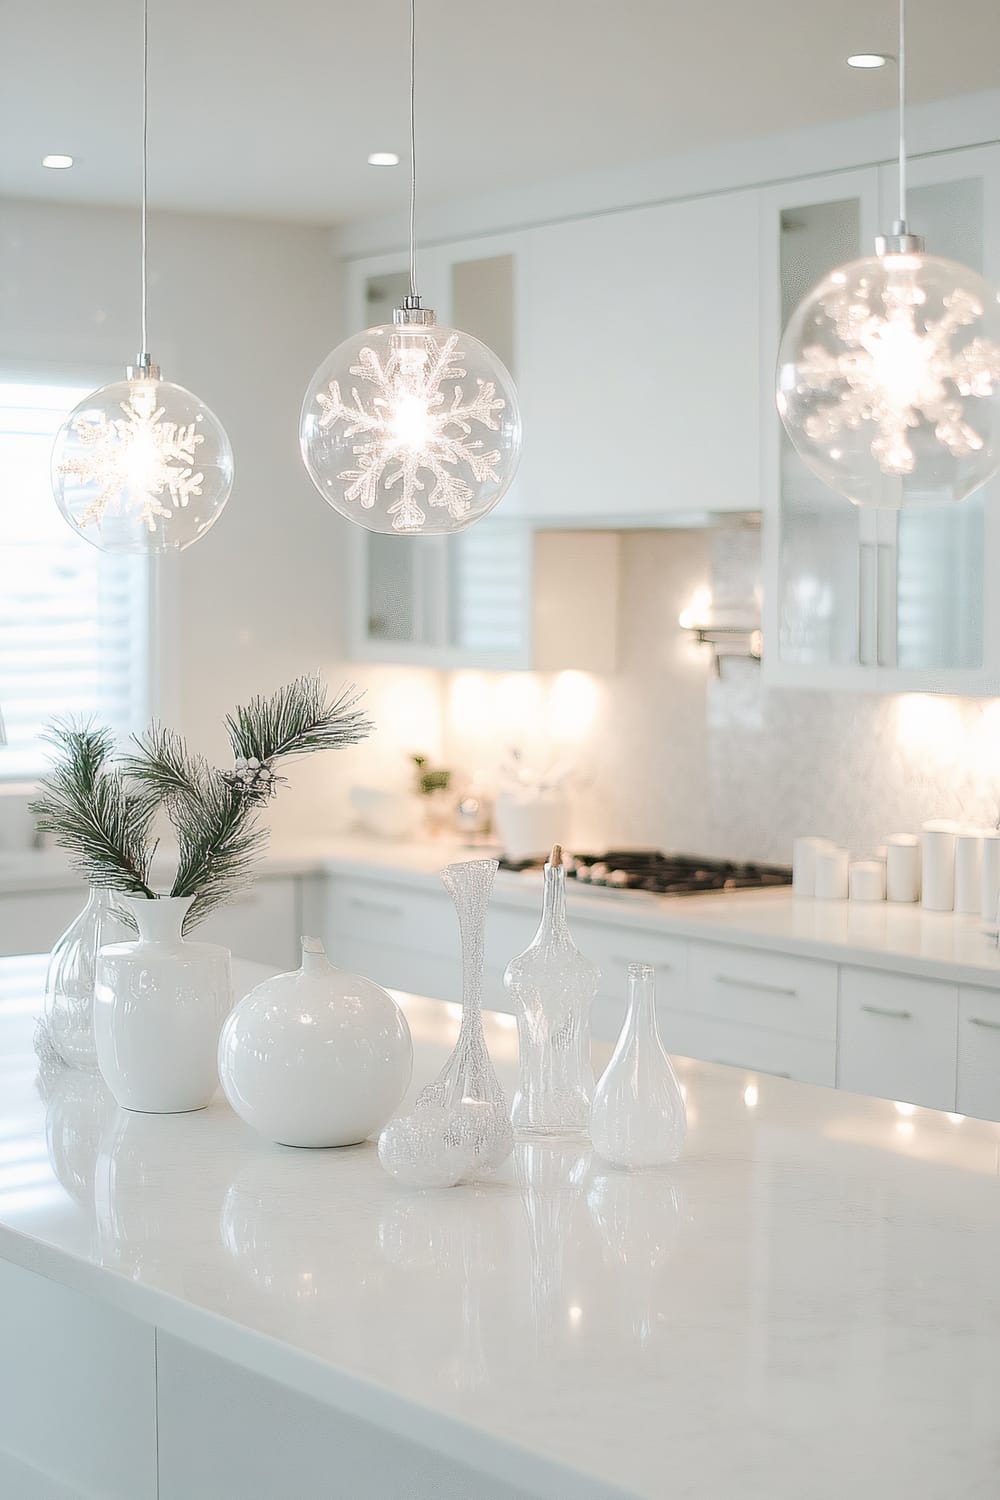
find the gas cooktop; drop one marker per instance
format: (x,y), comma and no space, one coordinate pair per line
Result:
(663,874)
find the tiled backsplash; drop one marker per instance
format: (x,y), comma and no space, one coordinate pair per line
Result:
(672,756)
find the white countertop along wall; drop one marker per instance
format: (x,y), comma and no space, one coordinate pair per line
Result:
(905,939)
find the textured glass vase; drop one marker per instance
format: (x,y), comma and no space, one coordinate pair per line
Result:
(69,982)
(552,987)
(639,1119)
(460,1126)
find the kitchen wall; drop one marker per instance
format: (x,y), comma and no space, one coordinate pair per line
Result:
(667,754)
(247,309)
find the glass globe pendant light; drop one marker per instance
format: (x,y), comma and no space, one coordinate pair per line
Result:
(411,428)
(142,465)
(888,378)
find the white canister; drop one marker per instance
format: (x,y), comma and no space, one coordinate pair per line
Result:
(968,870)
(989,889)
(937,846)
(831,874)
(159,1005)
(529,823)
(902,867)
(317,1057)
(867,880)
(804,852)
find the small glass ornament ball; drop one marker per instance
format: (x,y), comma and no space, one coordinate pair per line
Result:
(888,381)
(142,466)
(411,429)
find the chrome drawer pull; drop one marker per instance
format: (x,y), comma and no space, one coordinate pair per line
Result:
(771,1072)
(881,1010)
(382,907)
(981,1021)
(755,984)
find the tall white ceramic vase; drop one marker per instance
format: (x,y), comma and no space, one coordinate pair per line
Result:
(159,1005)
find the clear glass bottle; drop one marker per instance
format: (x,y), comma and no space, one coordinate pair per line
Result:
(552,986)
(639,1118)
(69,981)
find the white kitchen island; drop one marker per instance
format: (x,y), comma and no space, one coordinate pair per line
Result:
(806,1307)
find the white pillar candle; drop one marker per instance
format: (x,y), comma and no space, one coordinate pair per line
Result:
(937,847)
(902,871)
(968,870)
(989,890)
(831,874)
(804,852)
(867,880)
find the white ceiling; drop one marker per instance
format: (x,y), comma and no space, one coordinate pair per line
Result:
(270,107)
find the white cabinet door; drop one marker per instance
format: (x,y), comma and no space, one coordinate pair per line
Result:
(261,924)
(31,922)
(978,1053)
(898,1037)
(739,1046)
(638,362)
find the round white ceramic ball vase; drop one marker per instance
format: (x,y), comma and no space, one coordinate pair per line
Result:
(317,1057)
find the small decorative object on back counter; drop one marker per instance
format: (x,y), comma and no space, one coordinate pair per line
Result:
(102,813)
(552,986)
(460,1126)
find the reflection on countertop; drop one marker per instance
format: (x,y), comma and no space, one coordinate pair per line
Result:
(813,1258)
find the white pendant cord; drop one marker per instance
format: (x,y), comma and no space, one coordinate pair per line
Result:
(902,111)
(413,148)
(143,346)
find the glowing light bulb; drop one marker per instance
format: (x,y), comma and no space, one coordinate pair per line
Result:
(142,466)
(411,428)
(889,380)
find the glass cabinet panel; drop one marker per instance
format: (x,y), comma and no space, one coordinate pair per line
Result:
(818,617)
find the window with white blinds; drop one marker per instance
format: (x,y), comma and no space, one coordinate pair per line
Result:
(73,621)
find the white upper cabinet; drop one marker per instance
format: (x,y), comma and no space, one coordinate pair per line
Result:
(857,598)
(638,365)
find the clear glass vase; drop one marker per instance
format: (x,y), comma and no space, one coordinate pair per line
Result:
(69,982)
(639,1118)
(460,1125)
(552,986)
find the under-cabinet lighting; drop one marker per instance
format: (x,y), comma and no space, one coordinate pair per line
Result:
(383,159)
(57,162)
(869,59)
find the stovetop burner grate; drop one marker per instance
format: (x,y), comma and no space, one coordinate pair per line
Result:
(664,874)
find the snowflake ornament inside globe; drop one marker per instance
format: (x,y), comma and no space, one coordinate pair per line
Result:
(142,466)
(889,379)
(410,428)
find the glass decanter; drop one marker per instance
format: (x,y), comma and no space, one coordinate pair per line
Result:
(460,1126)
(552,986)
(639,1118)
(69,981)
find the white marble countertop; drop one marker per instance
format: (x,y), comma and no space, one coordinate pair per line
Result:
(904,939)
(806,1307)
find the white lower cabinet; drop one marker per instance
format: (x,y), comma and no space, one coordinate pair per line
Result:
(741,1045)
(32,921)
(978,1053)
(898,1037)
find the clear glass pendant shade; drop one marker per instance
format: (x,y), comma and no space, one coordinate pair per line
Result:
(639,1118)
(411,429)
(142,466)
(889,380)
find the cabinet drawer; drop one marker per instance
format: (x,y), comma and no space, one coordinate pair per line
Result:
(740,1046)
(400,968)
(978,1053)
(261,923)
(898,1037)
(797,996)
(32,923)
(380,912)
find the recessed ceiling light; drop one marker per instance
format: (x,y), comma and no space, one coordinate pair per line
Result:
(57,163)
(868,59)
(383,159)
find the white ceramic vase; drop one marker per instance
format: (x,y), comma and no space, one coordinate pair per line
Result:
(316,1057)
(159,1005)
